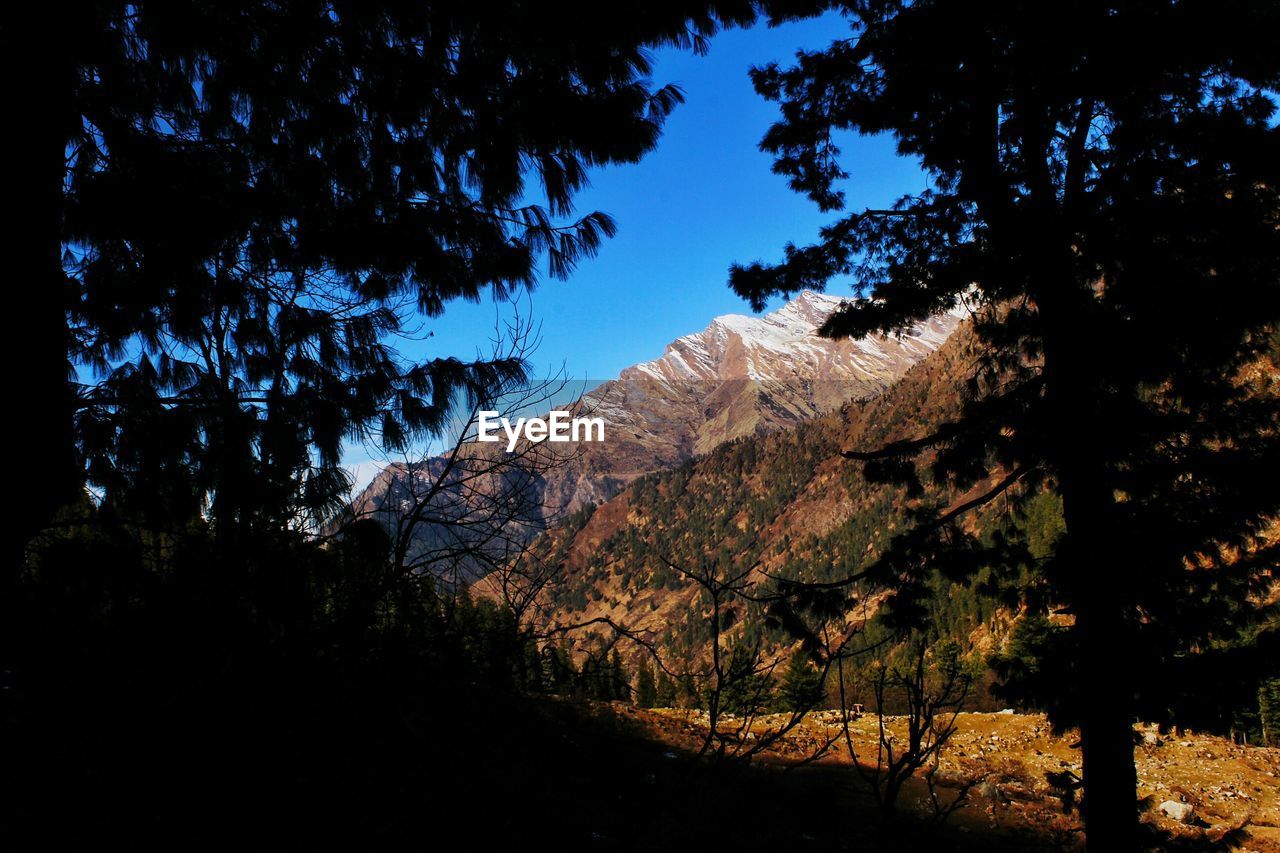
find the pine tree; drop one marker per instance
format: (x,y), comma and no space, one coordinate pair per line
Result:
(646,695)
(230,212)
(801,686)
(618,685)
(665,690)
(1269,711)
(1104,198)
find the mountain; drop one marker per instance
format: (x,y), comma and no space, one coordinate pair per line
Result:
(740,376)
(782,346)
(789,505)
(786,502)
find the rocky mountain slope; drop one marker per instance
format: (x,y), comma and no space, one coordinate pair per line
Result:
(740,376)
(761,373)
(788,505)
(786,500)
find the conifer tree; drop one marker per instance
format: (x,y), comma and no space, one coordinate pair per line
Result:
(801,685)
(618,686)
(1104,198)
(227,208)
(1269,711)
(646,688)
(665,690)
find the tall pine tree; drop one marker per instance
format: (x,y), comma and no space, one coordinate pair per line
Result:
(225,204)
(1104,194)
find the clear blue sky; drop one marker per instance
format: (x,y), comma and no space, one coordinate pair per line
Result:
(703,199)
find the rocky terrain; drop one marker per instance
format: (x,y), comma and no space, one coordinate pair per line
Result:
(757,374)
(1194,787)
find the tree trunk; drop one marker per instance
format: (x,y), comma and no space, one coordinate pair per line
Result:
(45,466)
(1097,588)
(1106,726)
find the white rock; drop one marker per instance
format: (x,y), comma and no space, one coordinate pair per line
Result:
(1181,812)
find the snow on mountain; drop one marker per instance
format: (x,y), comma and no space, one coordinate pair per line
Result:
(783,345)
(740,376)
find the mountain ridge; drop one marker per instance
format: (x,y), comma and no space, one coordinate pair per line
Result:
(739,376)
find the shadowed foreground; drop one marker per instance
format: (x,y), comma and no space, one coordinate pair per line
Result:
(288,763)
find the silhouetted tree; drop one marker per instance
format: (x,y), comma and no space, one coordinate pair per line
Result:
(226,207)
(930,690)
(801,684)
(666,690)
(646,688)
(732,676)
(231,214)
(1104,196)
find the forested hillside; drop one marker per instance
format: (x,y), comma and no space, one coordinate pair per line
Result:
(788,506)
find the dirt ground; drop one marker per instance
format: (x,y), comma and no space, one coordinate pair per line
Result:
(1004,758)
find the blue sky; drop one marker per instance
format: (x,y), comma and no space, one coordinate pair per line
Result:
(703,199)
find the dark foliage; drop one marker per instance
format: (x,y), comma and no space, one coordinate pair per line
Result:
(232,214)
(1105,197)
(236,208)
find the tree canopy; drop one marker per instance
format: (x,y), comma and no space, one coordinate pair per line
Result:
(1104,199)
(237,208)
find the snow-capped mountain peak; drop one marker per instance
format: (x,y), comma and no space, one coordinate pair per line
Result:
(783,345)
